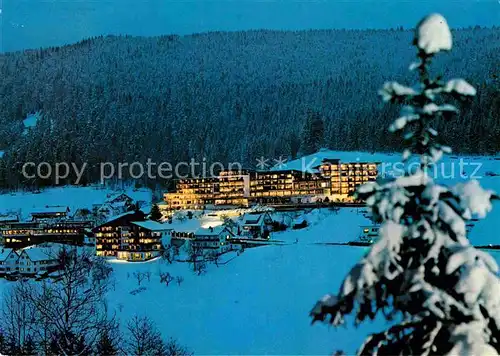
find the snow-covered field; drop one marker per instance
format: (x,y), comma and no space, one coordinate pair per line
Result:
(72,196)
(257,303)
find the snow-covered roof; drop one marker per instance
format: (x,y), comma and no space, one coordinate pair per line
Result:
(4,253)
(36,253)
(10,217)
(111,197)
(311,162)
(50,210)
(188,225)
(113,218)
(210,231)
(254,219)
(152,225)
(119,204)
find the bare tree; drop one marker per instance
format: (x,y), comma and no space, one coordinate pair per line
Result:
(17,319)
(71,313)
(148,275)
(200,267)
(214,257)
(167,254)
(139,276)
(166,277)
(144,338)
(179,280)
(173,348)
(195,252)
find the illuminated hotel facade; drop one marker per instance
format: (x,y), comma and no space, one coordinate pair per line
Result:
(332,181)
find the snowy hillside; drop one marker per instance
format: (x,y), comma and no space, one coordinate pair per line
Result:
(452,170)
(263,296)
(72,196)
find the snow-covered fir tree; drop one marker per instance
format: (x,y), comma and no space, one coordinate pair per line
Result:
(440,294)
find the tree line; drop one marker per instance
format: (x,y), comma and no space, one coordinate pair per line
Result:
(225,97)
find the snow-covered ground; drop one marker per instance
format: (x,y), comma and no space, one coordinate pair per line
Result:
(452,169)
(257,303)
(72,196)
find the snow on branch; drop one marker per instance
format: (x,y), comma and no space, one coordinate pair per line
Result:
(433,34)
(422,265)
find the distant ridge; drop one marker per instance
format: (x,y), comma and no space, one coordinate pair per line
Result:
(227,96)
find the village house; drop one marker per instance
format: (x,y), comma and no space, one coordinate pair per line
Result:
(256,225)
(206,239)
(29,261)
(48,212)
(8,260)
(38,259)
(114,204)
(216,239)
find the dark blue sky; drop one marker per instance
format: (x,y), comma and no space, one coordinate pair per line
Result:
(36,23)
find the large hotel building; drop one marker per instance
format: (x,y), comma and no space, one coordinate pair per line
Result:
(332,180)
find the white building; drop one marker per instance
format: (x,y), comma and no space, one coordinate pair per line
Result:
(29,261)
(216,239)
(8,260)
(37,260)
(256,225)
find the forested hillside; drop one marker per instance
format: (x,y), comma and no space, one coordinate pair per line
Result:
(227,96)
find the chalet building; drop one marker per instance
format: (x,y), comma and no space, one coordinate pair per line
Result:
(23,234)
(129,237)
(8,260)
(213,239)
(216,239)
(8,219)
(114,204)
(56,212)
(37,260)
(33,260)
(256,225)
(332,180)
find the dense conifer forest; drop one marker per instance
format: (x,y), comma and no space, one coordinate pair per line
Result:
(228,96)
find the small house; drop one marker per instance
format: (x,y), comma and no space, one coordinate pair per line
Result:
(56,212)
(256,225)
(8,260)
(38,259)
(216,239)
(8,219)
